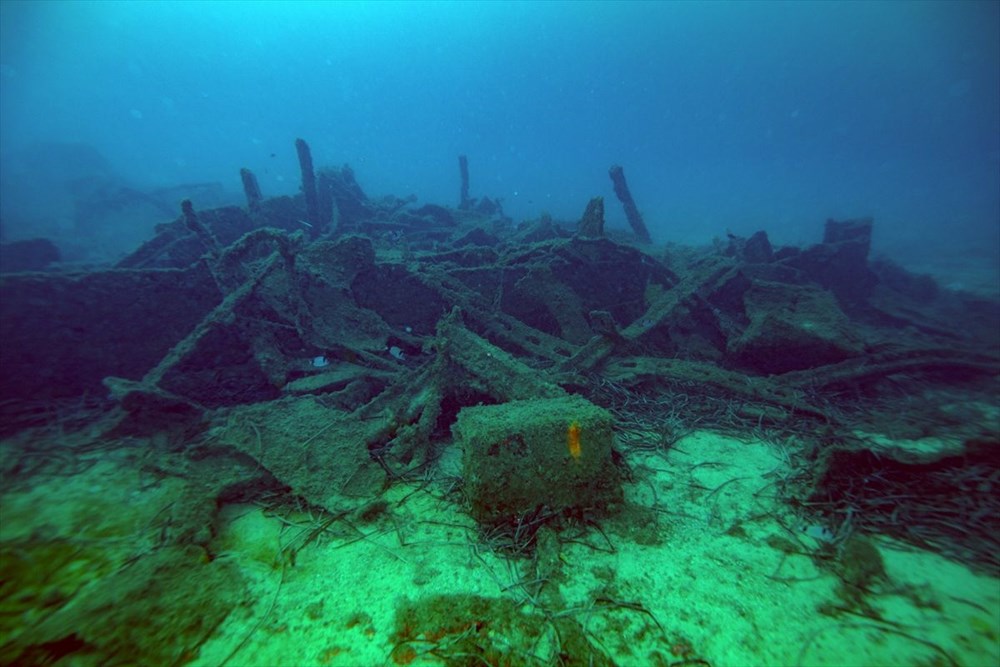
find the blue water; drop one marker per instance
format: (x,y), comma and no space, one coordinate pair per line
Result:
(731,116)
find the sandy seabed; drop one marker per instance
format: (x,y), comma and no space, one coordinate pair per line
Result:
(703,566)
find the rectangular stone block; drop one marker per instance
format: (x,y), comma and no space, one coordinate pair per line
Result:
(551,453)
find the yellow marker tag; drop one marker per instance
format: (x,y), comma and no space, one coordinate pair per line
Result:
(573,440)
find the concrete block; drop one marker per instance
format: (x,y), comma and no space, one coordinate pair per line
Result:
(521,455)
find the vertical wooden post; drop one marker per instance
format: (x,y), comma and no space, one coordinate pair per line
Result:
(308,183)
(631,210)
(463,171)
(251,189)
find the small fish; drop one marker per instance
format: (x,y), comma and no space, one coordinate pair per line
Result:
(573,440)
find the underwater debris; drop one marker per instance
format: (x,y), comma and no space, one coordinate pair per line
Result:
(592,223)
(308,183)
(635,221)
(464,203)
(201,231)
(752,338)
(251,190)
(937,495)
